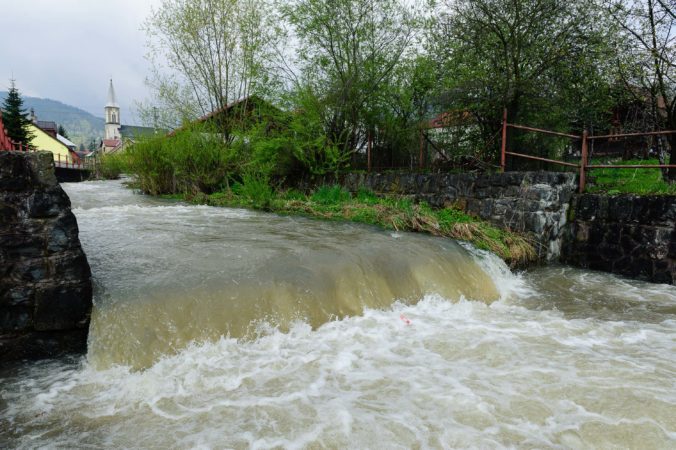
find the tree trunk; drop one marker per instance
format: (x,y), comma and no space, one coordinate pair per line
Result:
(671,173)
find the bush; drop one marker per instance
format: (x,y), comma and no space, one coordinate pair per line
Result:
(190,161)
(111,166)
(256,188)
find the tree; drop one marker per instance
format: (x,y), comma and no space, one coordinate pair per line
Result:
(349,50)
(216,52)
(537,58)
(93,145)
(649,36)
(62,132)
(15,117)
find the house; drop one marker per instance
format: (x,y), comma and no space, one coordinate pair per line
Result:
(44,140)
(252,109)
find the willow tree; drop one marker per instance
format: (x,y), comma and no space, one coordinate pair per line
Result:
(207,54)
(349,50)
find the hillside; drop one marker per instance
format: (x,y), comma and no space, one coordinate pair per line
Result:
(80,125)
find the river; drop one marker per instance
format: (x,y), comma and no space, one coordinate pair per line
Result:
(227,328)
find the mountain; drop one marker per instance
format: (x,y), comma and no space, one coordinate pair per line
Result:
(80,125)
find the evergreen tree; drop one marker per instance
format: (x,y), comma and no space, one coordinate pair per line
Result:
(15,118)
(62,131)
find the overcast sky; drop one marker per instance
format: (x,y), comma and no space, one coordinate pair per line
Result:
(67,50)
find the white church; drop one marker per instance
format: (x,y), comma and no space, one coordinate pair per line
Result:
(115,135)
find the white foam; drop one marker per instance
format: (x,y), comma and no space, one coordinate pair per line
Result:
(459,374)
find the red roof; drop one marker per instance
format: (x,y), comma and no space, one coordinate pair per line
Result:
(111,142)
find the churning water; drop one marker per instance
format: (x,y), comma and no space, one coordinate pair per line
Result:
(224,328)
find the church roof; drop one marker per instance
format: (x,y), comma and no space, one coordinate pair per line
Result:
(135,132)
(112,101)
(111,142)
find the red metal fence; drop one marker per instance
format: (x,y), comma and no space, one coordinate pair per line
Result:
(583,166)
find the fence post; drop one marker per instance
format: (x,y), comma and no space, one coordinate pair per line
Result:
(368,153)
(583,162)
(503,147)
(420,160)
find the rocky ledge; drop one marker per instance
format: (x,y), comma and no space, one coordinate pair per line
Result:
(45,279)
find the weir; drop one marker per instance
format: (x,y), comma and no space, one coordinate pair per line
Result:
(171,274)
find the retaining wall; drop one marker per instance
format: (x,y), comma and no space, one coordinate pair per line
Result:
(630,235)
(534,203)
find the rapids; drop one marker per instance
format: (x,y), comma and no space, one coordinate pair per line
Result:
(226,328)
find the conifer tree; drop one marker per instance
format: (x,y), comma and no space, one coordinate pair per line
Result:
(15,118)
(62,132)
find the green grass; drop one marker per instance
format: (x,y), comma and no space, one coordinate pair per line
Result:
(629,181)
(392,213)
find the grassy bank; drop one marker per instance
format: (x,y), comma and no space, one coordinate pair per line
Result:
(201,166)
(334,203)
(629,181)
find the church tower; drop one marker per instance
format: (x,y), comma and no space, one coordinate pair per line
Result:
(112,115)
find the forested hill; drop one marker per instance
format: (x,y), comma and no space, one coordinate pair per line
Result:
(80,125)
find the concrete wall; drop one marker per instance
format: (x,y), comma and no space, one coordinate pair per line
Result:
(45,280)
(535,203)
(630,235)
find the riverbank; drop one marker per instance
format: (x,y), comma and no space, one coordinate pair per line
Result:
(389,212)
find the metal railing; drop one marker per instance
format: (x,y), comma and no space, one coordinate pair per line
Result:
(583,166)
(65,163)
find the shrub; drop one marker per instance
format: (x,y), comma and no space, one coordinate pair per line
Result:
(190,161)
(256,188)
(111,166)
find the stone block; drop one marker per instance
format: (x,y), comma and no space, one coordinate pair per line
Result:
(45,280)
(62,306)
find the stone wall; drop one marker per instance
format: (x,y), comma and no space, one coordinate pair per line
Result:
(630,235)
(45,280)
(535,203)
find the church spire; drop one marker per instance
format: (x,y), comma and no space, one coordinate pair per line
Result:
(112,114)
(111,96)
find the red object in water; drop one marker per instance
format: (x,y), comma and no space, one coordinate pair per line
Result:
(405,319)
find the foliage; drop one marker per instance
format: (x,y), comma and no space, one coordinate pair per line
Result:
(193,160)
(255,188)
(111,166)
(207,54)
(542,60)
(62,131)
(646,61)
(15,118)
(349,52)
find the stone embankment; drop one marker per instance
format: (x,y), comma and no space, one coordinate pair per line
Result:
(45,279)
(533,203)
(630,235)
